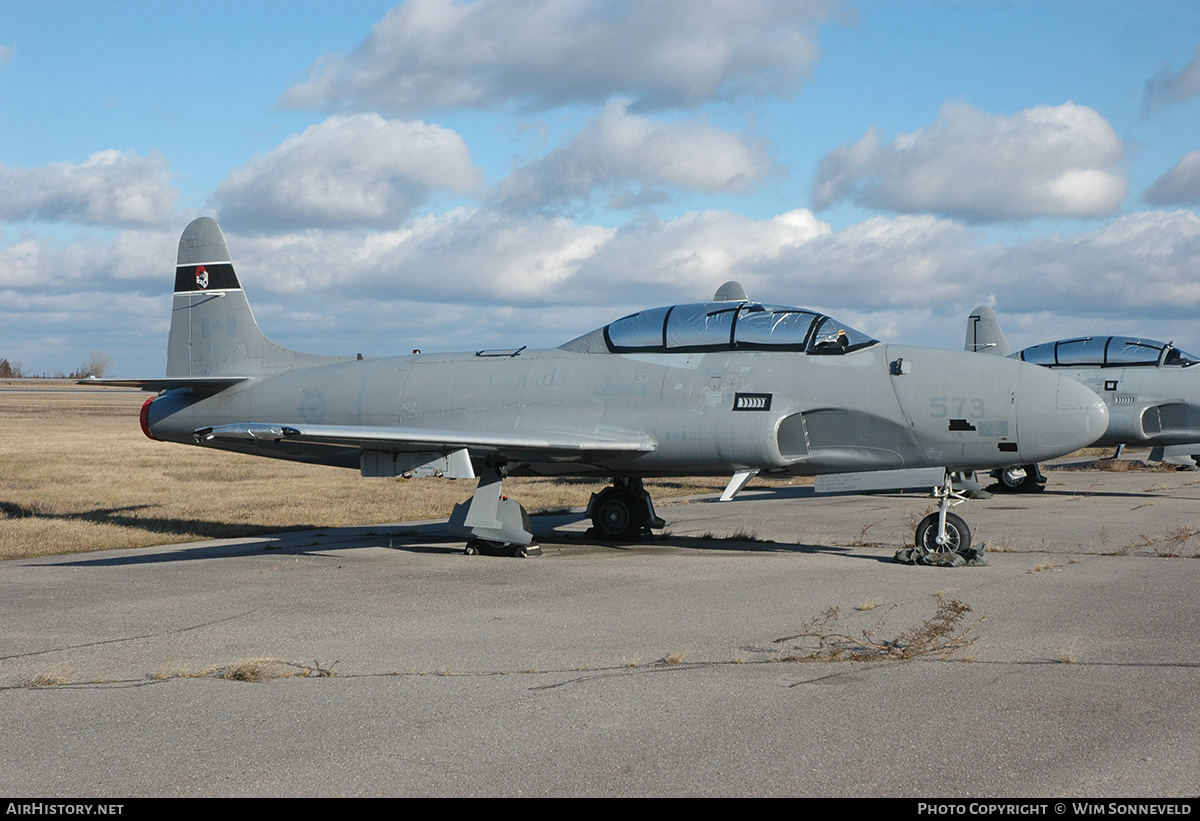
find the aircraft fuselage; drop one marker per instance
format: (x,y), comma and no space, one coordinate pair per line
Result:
(1147,406)
(882,407)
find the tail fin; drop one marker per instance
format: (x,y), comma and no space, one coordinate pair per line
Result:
(984,334)
(213,331)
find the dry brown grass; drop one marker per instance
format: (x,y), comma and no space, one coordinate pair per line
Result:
(1070,653)
(1173,543)
(942,635)
(76,474)
(55,677)
(255,669)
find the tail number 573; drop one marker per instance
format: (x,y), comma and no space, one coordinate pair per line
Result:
(959,407)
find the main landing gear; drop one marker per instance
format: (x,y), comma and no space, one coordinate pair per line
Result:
(496,525)
(1023,479)
(622,512)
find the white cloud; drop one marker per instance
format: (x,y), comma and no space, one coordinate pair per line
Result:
(543,53)
(617,150)
(471,278)
(465,256)
(1061,160)
(490,261)
(110,188)
(1139,265)
(685,259)
(1180,185)
(6,54)
(1171,87)
(350,171)
(89,263)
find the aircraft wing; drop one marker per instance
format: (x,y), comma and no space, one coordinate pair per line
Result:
(545,445)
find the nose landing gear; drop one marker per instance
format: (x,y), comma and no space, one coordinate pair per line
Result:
(943,537)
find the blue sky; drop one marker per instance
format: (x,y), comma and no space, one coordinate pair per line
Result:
(449,175)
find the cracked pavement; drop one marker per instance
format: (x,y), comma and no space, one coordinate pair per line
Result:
(406,668)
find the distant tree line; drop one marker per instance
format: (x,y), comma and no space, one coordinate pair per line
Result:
(97,364)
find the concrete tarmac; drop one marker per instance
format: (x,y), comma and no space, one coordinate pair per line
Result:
(397,666)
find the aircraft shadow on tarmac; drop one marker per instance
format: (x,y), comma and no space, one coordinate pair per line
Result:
(164,526)
(435,537)
(418,537)
(807,492)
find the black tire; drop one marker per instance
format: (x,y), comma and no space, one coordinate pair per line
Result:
(1028,484)
(488,547)
(615,516)
(958,535)
(1010,483)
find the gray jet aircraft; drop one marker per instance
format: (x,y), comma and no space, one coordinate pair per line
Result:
(715,388)
(1151,388)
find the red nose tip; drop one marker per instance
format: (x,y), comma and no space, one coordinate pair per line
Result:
(145,414)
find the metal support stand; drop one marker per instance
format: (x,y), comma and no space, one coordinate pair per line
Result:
(497,522)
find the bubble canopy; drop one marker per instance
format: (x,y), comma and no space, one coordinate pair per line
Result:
(1107,352)
(722,326)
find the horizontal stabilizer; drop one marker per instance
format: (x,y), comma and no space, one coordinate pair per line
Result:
(199,384)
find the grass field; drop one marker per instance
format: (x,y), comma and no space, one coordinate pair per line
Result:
(76,474)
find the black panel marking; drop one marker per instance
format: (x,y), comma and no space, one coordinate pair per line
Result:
(752,401)
(213,276)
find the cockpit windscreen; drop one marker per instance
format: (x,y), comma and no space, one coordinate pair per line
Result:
(1107,352)
(706,326)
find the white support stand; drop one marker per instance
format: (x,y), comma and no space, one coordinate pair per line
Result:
(736,484)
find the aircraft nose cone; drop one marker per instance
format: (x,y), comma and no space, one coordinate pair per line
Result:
(1055,414)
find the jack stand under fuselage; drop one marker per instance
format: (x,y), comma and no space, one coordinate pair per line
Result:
(493,523)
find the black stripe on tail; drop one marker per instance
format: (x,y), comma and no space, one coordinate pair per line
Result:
(215,276)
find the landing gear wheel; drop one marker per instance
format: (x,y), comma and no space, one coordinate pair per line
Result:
(958,535)
(1024,479)
(490,547)
(614,516)
(1013,479)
